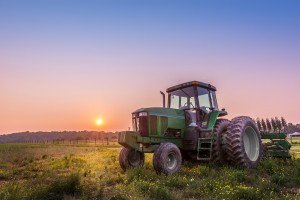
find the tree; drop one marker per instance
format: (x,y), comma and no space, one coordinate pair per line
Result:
(278,123)
(264,126)
(283,122)
(269,124)
(258,123)
(273,122)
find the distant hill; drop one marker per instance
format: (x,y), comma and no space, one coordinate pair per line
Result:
(55,135)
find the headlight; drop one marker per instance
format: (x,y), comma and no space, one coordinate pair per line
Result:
(143,114)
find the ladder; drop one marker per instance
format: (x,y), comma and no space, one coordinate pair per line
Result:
(204,150)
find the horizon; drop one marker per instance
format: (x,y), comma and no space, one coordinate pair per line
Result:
(67,64)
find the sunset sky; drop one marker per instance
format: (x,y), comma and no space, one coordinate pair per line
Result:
(65,64)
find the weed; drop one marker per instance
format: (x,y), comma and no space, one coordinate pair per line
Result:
(69,185)
(279,179)
(247,193)
(4,175)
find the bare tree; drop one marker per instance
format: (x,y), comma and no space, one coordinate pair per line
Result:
(269,125)
(258,123)
(264,126)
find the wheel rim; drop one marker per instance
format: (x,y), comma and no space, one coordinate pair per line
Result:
(134,158)
(251,143)
(171,161)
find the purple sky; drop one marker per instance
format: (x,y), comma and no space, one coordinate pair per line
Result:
(63,64)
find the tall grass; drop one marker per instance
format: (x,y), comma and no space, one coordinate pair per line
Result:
(93,172)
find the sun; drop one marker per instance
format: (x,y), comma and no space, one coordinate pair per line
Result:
(99,122)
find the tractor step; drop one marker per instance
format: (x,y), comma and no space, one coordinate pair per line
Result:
(204,149)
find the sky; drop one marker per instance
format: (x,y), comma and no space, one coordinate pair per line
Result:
(66,63)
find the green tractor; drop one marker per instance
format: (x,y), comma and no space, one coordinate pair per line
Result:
(189,127)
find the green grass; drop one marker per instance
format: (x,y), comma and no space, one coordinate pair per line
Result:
(50,171)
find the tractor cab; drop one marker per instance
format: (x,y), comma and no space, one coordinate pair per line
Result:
(197,99)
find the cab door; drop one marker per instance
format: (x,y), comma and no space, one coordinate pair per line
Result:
(207,103)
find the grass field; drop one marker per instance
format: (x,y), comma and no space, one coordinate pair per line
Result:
(86,171)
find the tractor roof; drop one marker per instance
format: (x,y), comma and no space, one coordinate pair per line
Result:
(188,84)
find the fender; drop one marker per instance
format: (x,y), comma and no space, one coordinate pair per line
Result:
(213,118)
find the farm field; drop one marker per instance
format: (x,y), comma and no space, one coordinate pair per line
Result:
(89,171)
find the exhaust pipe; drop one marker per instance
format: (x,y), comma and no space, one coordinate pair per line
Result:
(164,99)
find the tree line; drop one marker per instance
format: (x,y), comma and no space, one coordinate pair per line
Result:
(272,125)
(58,136)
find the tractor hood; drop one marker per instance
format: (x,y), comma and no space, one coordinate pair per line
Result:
(164,112)
(158,122)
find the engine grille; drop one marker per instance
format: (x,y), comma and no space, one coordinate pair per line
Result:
(153,125)
(164,124)
(142,123)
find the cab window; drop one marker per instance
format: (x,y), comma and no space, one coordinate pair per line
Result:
(214,100)
(174,101)
(204,99)
(207,99)
(182,98)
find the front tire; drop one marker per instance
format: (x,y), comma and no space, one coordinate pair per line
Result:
(167,159)
(129,158)
(243,142)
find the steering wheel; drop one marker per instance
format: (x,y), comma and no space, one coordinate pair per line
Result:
(192,105)
(203,108)
(185,104)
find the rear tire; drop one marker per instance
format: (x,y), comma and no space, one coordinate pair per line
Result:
(243,142)
(129,158)
(218,154)
(167,159)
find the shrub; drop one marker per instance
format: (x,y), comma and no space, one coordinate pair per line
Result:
(268,165)
(92,189)
(279,179)
(69,185)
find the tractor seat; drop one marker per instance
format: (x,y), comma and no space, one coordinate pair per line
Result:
(191,115)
